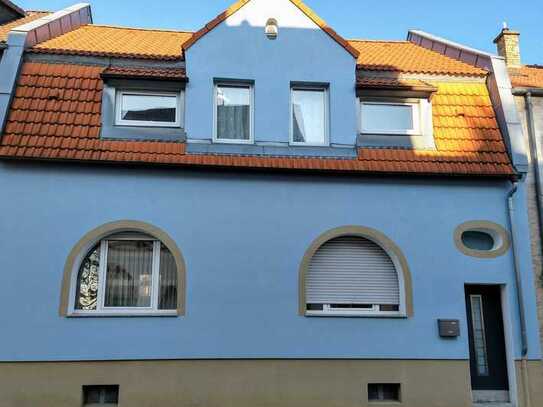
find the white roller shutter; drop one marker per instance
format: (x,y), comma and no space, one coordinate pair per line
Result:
(352,270)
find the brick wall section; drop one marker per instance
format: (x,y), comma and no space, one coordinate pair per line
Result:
(535,232)
(508,47)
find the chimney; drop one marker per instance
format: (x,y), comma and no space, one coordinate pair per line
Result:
(508,46)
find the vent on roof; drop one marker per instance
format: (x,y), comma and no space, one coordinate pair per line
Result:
(272,29)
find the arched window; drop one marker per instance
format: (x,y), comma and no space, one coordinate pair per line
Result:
(353,274)
(125,272)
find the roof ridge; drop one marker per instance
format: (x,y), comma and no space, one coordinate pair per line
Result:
(121,27)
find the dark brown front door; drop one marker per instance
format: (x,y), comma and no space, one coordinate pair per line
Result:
(488,363)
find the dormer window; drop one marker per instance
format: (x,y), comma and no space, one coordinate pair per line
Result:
(143,104)
(151,109)
(390,118)
(395,113)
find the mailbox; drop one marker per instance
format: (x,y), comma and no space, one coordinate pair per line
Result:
(449,328)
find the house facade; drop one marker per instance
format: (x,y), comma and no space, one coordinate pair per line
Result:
(527,81)
(261,213)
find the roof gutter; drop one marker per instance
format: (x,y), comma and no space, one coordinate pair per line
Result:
(28,35)
(499,86)
(525,91)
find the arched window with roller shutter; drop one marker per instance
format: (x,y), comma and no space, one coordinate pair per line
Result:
(355,271)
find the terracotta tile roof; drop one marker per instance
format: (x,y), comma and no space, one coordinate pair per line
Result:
(466,134)
(405,56)
(118,41)
(528,76)
(30,16)
(55,114)
(395,56)
(298,3)
(177,74)
(393,83)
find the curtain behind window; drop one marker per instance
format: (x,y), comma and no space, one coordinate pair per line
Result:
(167,299)
(129,271)
(233,122)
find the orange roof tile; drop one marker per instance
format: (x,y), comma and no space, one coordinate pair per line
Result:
(298,3)
(178,74)
(405,56)
(30,16)
(528,76)
(118,41)
(394,83)
(55,114)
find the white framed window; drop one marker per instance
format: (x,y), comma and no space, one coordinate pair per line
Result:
(233,113)
(309,116)
(126,274)
(148,109)
(390,117)
(353,276)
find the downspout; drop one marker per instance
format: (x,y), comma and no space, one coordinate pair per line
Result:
(520,297)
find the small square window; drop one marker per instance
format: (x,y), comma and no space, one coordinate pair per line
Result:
(383,392)
(309,116)
(148,109)
(390,118)
(100,395)
(233,113)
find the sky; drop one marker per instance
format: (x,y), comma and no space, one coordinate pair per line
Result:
(471,22)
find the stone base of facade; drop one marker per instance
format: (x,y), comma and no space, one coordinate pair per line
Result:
(247,383)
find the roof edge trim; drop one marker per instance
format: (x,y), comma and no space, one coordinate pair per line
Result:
(14,7)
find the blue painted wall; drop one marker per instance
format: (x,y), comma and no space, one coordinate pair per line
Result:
(243,236)
(299,54)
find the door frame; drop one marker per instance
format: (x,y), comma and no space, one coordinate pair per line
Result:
(508,338)
(509,345)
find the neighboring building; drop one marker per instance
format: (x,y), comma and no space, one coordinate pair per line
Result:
(527,82)
(261,213)
(12,16)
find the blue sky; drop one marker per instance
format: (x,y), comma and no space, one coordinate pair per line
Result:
(471,22)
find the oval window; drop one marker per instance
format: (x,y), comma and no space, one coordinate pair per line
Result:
(482,239)
(477,240)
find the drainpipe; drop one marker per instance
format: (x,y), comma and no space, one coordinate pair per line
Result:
(520,297)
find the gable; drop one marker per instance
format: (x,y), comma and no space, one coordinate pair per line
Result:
(291,14)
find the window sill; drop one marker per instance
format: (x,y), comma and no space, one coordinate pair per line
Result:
(244,142)
(294,144)
(414,141)
(124,314)
(397,315)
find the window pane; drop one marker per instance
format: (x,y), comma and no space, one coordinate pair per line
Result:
(479,336)
(168,280)
(233,113)
(308,116)
(476,240)
(382,117)
(100,395)
(129,270)
(87,281)
(149,108)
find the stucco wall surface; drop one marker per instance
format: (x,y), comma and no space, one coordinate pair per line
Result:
(243,236)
